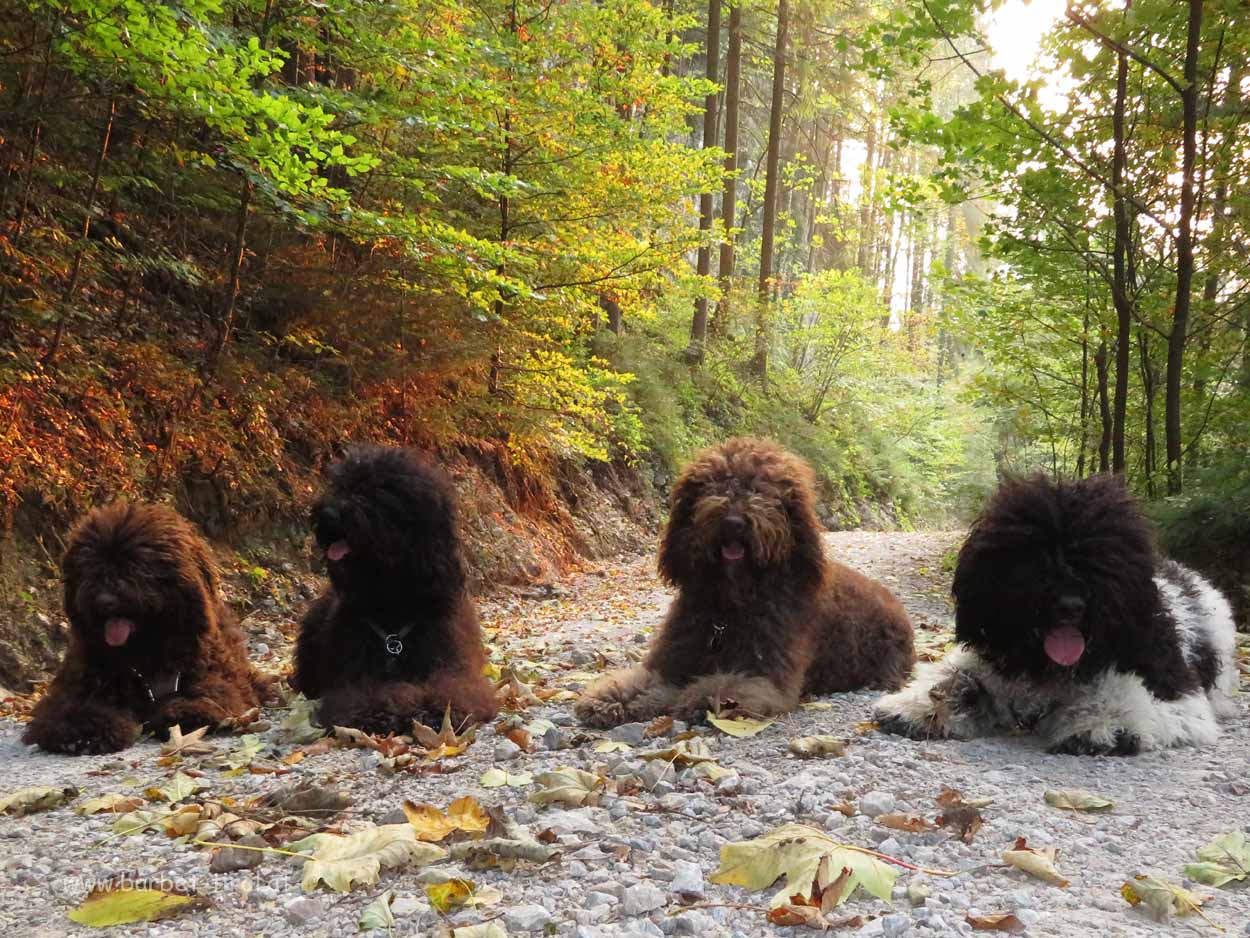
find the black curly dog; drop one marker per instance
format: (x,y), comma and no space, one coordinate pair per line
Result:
(396,637)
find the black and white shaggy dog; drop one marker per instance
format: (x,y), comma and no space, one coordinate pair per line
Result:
(1071,627)
(762,616)
(396,636)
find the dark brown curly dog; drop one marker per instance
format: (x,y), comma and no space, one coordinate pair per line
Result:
(151,642)
(396,637)
(761,617)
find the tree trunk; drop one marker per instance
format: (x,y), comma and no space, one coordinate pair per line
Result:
(1215,244)
(707,207)
(729,206)
(759,364)
(1149,382)
(232,276)
(1104,407)
(1184,253)
(864,254)
(71,286)
(1121,290)
(1084,437)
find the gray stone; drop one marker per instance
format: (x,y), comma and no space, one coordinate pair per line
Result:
(875,803)
(894,925)
(641,899)
(506,750)
(1030,917)
(556,739)
(303,910)
(526,917)
(403,906)
(632,733)
(688,882)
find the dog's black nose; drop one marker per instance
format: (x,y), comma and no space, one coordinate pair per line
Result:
(734,525)
(107,604)
(1071,607)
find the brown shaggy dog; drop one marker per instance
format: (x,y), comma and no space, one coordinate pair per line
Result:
(761,617)
(396,637)
(151,642)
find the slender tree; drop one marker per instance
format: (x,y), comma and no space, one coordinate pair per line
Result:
(698,326)
(729,205)
(759,364)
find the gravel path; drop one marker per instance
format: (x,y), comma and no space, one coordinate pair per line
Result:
(636,864)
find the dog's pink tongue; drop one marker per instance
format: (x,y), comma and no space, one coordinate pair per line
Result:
(1064,645)
(733,551)
(117,631)
(338,550)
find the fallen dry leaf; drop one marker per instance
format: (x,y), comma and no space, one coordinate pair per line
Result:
(433,826)
(911,823)
(358,859)
(814,747)
(1223,860)
(660,726)
(1001,921)
(112,803)
(739,727)
(1039,863)
(573,787)
(1160,899)
(1076,799)
(809,860)
(38,798)
(125,900)
(186,744)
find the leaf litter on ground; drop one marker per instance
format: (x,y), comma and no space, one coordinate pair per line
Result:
(126,900)
(1161,899)
(1224,860)
(1038,862)
(342,862)
(1077,799)
(433,825)
(37,798)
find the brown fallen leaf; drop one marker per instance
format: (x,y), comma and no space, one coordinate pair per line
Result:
(660,726)
(232,859)
(186,744)
(844,807)
(306,800)
(447,742)
(1000,921)
(464,815)
(964,819)
(911,823)
(949,797)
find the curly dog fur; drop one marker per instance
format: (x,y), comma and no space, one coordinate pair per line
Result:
(1072,628)
(387,528)
(151,642)
(761,616)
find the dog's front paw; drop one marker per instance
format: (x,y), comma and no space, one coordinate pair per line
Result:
(600,712)
(91,732)
(1123,743)
(896,725)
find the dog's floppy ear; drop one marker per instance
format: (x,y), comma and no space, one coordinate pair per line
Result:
(675,548)
(799,499)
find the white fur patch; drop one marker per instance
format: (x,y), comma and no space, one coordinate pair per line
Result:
(962,696)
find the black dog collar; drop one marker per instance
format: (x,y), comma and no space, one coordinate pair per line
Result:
(392,641)
(158,690)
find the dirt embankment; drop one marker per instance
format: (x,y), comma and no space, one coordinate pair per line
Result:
(520,527)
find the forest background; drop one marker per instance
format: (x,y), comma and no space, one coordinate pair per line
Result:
(565,243)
